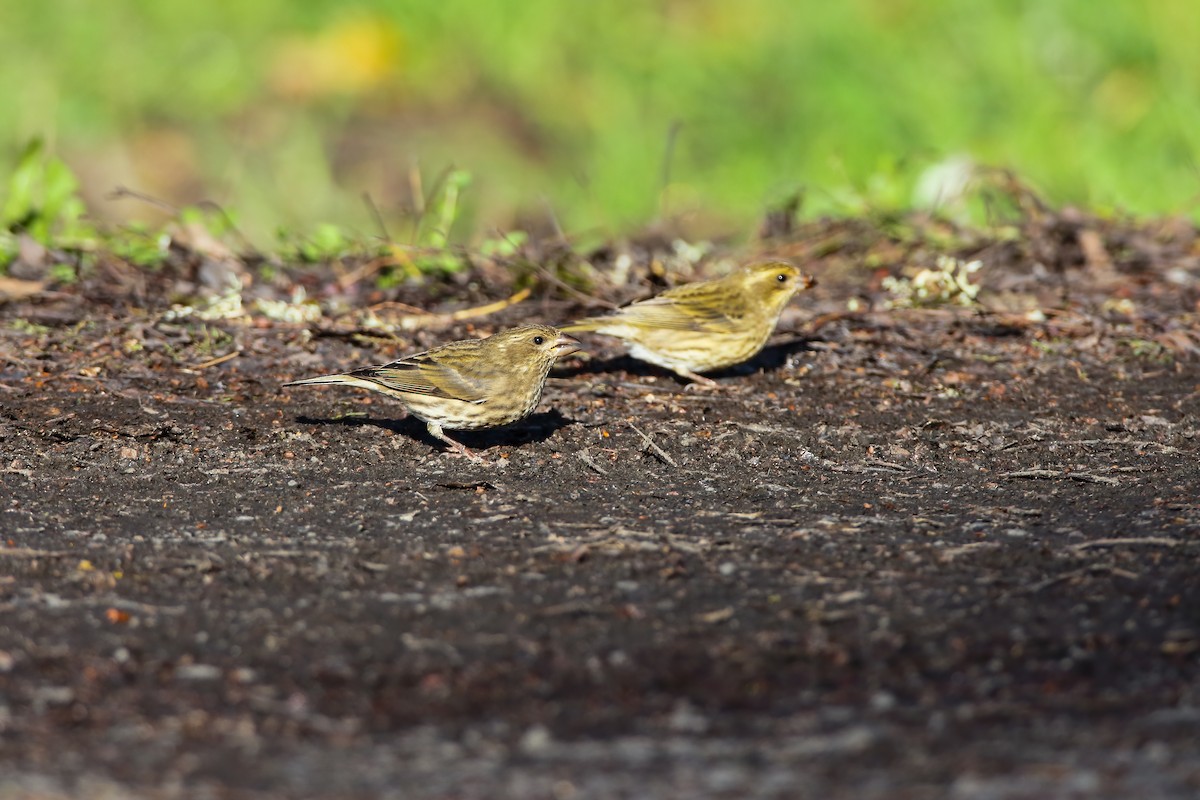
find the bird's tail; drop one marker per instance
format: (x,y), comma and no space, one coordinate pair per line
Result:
(344,378)
(586,324)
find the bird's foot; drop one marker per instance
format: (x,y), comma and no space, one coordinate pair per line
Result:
(698,382)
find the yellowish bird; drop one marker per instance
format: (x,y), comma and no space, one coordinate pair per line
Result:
(704,326)
(469,384)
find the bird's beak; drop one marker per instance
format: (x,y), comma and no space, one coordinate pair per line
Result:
(565,345)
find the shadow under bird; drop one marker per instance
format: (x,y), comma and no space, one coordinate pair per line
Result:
(707,325)
(469,384)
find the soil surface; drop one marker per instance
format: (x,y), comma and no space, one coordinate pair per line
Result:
(904,553)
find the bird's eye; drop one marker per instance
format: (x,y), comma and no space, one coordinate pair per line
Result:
(782,278)
(539,340)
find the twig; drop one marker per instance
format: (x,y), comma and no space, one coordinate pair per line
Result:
(135,606)
(386,304)
(584,297)
(100,600)
(422,319)
(1033,473)
(586,458)
(122,192)
(370,268)
(887,465)
(426,320)
(212,362)
(1086,477)
(951,553)
(1127,541)
(1079,573)
(1166,448)
(755,427)
(571,608)
(28,552)
(820,321)
(654,449)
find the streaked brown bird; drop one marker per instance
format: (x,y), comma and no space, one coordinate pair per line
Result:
(708,325)
(469,384)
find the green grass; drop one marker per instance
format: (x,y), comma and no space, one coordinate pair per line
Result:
(286,113)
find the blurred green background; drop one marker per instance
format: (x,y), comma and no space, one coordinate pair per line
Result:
(287,112)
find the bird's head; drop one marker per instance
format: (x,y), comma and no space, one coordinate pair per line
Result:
(531,344)
(774,282)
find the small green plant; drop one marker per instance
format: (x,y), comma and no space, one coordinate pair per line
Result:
(1147,349)
(218,221)
(442,210)
(9,249)
(503,246)
(432,237)
(43,200)
(327,243)
(63,273)
(25,326)
(141,246)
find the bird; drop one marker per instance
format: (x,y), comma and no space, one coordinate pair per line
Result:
(707,325)
(469,384)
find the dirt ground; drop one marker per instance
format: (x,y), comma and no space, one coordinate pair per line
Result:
(902,554)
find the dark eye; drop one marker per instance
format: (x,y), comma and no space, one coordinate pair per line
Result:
(781,278)
(539,340)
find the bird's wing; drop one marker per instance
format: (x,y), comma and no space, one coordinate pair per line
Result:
(425,374)
(701,308)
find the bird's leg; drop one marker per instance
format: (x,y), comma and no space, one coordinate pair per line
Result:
(696,379)
(436,432)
